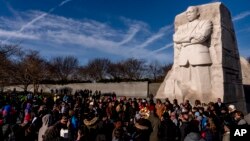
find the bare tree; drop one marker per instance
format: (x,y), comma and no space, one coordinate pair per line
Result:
(116,71)
(96,69)
(30,68)
(6,51)
(164,71)
(62,68)
(134,69)
(83,73)
(154,70)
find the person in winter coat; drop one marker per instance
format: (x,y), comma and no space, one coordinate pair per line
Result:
(54,132)
(143,130)
(81,134)
(90,125)
(247,118)
(160,108)
(47,120)
(185,125)
(239,118)
(27,113)
(210,132)
(167,129)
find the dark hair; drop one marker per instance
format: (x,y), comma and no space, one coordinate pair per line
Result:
(206,114)
(165,115)
(198,102)
(240,114)
(158,100)
(175,101)
(64,115)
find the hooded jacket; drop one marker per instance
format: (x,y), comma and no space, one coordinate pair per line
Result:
(193,137)
(47,120)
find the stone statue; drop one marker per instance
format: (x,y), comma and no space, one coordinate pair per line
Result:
(191,41)
(206,58)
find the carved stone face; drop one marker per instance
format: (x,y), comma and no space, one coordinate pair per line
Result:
(192,13)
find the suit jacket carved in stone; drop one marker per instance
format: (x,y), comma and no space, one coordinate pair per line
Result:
(191,41)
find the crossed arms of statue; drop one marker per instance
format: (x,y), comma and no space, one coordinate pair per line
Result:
(196,34)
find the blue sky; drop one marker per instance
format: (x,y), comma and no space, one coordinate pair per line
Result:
(114,29)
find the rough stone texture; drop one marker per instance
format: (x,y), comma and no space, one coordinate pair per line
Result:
(128,89)
(245,69)
(134,89)
(226,78)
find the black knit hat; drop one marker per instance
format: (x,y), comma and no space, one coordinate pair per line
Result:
(143,124)
(90,119)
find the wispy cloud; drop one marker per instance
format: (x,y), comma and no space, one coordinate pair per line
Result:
(27,25)
(158,35)
(151,39)
(16,35)
(64,2)
(42,16)
(131,34)
(54,32)
(241,16)
(163,48)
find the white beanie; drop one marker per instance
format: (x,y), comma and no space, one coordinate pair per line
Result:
(91,103)
(232,107)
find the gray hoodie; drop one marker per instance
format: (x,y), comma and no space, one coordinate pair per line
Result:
(47,120)
(193,137)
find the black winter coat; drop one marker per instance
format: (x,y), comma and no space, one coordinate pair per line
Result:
(167,130)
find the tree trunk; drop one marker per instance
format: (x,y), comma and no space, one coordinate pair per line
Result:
(25,87)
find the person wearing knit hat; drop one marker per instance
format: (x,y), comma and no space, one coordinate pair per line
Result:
(90,120)
(90,125)
(143,130)
(232,110)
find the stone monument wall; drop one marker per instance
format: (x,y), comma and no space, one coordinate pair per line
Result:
(226,77)
(245,68)
(128,89)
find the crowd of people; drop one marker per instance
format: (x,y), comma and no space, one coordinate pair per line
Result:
(87,116)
